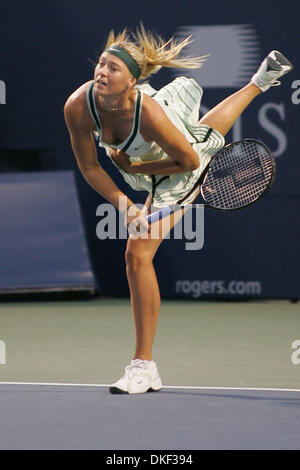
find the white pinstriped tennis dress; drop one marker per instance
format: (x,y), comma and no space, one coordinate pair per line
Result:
(180,100)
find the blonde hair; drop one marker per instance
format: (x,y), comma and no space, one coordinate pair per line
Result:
(151,53)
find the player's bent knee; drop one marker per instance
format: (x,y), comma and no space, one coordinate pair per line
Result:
(135,259)
(139,253)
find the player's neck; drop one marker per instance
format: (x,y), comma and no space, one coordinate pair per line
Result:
(121,102)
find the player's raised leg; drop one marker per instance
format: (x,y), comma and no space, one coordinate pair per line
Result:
(223,116)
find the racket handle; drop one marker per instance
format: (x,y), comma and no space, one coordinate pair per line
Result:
(159,215)
(167,211)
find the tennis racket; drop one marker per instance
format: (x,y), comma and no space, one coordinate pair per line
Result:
(237,176)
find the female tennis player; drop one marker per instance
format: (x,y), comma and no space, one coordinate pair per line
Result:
(157,143)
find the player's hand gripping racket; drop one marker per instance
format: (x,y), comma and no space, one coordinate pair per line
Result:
(237,176)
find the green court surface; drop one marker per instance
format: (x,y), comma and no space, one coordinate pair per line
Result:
(198,343)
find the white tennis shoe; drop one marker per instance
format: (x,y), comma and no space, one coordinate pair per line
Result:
(273,67)
(140,377)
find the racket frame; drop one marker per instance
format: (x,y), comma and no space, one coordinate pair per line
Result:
(168,210)
(203,176)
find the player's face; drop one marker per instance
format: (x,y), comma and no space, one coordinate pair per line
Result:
(111,75)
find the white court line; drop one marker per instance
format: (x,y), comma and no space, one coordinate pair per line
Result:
(182,387)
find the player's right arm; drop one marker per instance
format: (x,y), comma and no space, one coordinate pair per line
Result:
(80,128)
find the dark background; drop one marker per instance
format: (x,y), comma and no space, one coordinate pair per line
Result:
(47,50)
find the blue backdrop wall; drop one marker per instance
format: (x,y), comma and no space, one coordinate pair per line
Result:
(47,51)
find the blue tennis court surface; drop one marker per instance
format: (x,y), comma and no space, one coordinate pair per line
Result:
(88,417)
(227,369)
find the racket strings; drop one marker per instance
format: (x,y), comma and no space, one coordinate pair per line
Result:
(238,176)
